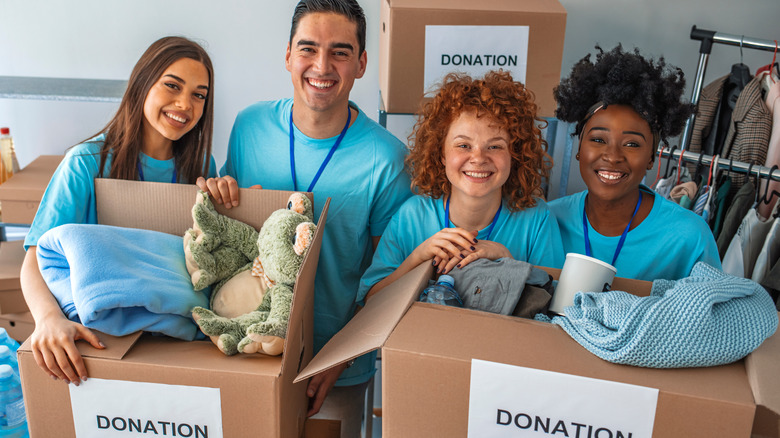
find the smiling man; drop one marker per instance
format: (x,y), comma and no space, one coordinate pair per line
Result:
(319,141)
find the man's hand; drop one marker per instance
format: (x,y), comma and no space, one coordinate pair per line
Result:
(320,385)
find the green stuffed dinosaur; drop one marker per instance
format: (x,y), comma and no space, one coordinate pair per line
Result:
(253,273)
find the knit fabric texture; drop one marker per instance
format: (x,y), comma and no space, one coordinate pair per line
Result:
(707,319)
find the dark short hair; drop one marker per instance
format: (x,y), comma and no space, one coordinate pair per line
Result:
(348,8)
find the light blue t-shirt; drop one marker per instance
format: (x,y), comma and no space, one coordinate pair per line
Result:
(70,196)
(531,235)
(365,180)
(666,245)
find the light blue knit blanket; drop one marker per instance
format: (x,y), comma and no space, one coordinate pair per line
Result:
(121,280)
(707,319)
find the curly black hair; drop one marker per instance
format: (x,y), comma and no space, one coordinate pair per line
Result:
(652,89)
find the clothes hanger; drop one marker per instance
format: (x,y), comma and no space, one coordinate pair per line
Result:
(669,161)
(697,174)
(740,73)
(768,72)
(658,171)
(766,198)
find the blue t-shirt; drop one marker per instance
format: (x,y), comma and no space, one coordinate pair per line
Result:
(666,245)
(70,196)
(531,235)
(365,180)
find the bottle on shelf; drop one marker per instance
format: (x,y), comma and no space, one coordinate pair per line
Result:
(443,292)
(7,155)
(13,420)
(7,340)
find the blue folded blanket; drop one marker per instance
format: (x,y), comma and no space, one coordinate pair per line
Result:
(707,319)
(121,280)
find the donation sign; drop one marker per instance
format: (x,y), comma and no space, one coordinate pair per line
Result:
(474,50)
(511,401)
(116,408)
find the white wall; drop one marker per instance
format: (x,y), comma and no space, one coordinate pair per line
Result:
(246,39)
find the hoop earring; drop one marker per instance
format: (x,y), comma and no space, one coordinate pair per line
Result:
(577,156)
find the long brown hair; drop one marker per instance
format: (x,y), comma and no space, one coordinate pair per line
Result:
(124,136)
(503,101)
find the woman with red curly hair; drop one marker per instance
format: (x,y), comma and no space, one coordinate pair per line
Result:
(477,161)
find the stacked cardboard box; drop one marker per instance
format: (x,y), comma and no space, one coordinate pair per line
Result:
(410,53)
(254,394)
(20,195)
(429,351)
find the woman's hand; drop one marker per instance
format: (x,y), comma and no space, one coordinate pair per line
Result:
(485,249)
(447,248)
(54,348)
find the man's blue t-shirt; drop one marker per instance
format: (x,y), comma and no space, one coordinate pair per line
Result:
(365,180)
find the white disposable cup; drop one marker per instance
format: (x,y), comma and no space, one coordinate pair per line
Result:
(580,273)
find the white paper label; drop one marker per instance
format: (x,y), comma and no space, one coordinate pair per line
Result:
(116,408)
(474,50)
(512,401)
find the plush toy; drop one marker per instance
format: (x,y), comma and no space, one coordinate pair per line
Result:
(253,273)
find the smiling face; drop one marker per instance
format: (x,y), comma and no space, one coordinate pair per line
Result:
(174,104)
(324,62)
(476,156)
(616,151)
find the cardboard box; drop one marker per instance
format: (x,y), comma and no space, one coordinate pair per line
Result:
(403,45)
(11,258)
(427,353)
(256,393)
(18,325)
(21,194)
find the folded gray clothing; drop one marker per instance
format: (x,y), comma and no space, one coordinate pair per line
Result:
(496,286)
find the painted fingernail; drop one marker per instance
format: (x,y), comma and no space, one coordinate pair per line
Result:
(473,249)
(54,378)
(458,266)
(461,256)
(475,241)
(433,262)
(102,344)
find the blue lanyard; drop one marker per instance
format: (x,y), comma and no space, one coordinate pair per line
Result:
(141,173)
(492,225)
(588,251)
(327,159)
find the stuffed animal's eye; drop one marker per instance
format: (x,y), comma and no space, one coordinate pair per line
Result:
(289,207)
(294,238)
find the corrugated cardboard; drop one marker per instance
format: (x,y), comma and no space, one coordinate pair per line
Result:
(11,258)
(427,352)
(18,325)
(402,43)
(21,194)
(258,396)
(763,366)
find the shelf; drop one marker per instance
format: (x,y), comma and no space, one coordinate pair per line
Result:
(65,89)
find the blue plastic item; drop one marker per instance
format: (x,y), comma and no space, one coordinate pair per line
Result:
(13,421)
(9,358)
(7,340)
(443,292)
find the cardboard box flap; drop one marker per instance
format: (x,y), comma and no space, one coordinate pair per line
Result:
(31,181)
(469,5)
(11,257)
(116,346)
(294,341)
(762,372)
(169,206)
(371,326)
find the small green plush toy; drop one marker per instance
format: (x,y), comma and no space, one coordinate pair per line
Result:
(253,273)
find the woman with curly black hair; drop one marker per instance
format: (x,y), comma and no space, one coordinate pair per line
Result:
(624,104)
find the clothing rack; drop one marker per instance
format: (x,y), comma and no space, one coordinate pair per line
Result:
(708,38)
(722,164)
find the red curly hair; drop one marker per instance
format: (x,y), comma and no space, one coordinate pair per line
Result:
(506,103)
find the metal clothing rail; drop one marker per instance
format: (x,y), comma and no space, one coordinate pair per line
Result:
(708,38)
(723,163)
